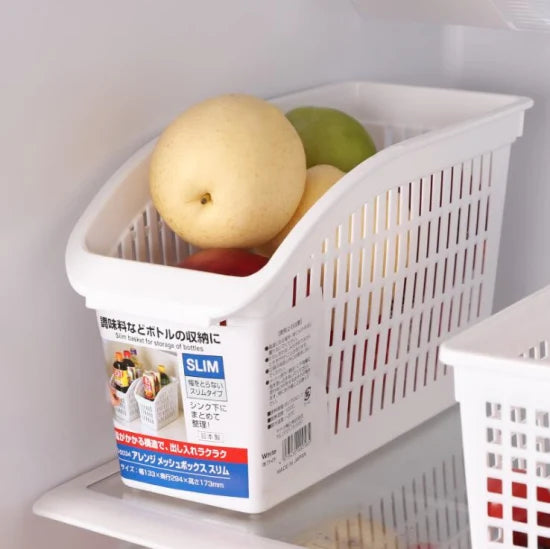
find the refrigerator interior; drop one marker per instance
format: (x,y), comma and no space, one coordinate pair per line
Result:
(409,494)
(86,84)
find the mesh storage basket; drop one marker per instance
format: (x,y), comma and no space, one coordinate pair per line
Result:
(331,349)
(502,384)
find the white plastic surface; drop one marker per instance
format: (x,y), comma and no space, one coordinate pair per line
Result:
(512,14)
(403,249)
(413,488)
(502,381)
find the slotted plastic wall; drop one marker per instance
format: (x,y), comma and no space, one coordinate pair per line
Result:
(509,470)
(501,369)
(399,274)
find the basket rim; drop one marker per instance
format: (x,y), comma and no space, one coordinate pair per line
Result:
(484,348)
(107,284)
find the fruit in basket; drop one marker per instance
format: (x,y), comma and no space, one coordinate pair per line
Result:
(229,172)
(318,180)
(521,539)
(519,514)
(228,261)
(331,136)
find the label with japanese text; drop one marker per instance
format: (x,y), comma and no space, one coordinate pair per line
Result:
(183,466)
(185,432)
(204,377)
(294,388)
(229,408)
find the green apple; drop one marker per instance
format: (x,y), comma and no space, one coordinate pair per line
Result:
(332,137)
(228,173)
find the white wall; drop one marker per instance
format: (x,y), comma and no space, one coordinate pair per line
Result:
(83,84)
(517,63)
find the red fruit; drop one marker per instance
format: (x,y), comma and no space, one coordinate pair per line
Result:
(494,485)
(519,514)
(494,509)
(543,494)
(227,261)
(519,490)
(519,539)
(543,519)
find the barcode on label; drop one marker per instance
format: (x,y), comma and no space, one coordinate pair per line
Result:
(297,440)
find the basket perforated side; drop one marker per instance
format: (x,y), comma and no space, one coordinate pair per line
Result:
(503,385)
(399,274)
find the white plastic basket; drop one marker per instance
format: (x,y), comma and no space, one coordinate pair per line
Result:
(127,410)
(397,255)
(502,382)
(156,414)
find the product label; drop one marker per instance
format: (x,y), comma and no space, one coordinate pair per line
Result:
(294,385)
(149,386)
(242,405)
(183,466)
(194,438)
(121,378)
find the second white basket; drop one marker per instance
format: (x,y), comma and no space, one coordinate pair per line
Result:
(502,381)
